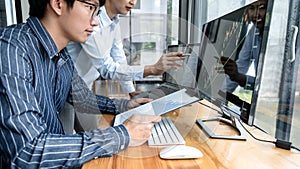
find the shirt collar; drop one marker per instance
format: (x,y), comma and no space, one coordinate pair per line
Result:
(43,36)
(104,18)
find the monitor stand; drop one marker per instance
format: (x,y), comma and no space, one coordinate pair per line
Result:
(232,122)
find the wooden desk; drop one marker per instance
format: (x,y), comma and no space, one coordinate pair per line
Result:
(218,153)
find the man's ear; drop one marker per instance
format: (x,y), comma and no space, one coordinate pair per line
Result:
(57,6)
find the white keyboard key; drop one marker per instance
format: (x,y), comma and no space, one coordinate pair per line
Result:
(165,133)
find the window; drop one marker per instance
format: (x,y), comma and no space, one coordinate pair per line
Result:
(277,109)
(148,29)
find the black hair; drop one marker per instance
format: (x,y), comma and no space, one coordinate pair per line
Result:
(38,7)
(102,2)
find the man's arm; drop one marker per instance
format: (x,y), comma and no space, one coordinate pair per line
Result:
(231,69)
(117,53)
(32,138)
(165,62)
(63,151)
(84,101)
(109,69)
(100,53)
(237,70)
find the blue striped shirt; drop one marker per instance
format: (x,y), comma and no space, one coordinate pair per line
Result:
(35,82)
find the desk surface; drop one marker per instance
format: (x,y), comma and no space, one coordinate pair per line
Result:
(217,153)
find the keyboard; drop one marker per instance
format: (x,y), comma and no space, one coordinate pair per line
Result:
(158,92)
(167,90)
(165,133)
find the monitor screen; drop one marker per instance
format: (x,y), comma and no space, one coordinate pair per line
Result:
(229,55)
(184,76)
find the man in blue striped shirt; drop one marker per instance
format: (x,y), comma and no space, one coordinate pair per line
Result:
(37,77)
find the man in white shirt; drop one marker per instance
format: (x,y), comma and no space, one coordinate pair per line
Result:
(106,58)
(103,55)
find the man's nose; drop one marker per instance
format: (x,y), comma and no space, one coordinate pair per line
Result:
(132,2)
(94,21)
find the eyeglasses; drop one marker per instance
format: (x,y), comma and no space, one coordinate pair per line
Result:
(91,7)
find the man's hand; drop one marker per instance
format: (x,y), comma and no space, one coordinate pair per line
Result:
(231,69)
(137,102)
(135,93)
(166,62)
(139,127)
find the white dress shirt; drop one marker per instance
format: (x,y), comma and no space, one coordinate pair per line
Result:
(103,55)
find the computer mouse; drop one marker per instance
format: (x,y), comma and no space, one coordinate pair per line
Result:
(180,152)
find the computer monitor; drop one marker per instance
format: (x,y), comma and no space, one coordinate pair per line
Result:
(186,75)
(227,36)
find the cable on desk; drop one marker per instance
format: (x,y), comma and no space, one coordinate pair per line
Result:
(278,143)
(267,141)
(260,128)
(293,147)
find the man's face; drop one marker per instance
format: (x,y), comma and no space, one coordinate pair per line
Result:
(257,13)
(122,6)
(78,22)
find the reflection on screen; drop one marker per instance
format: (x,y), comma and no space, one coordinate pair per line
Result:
(227,36)
(221,37)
